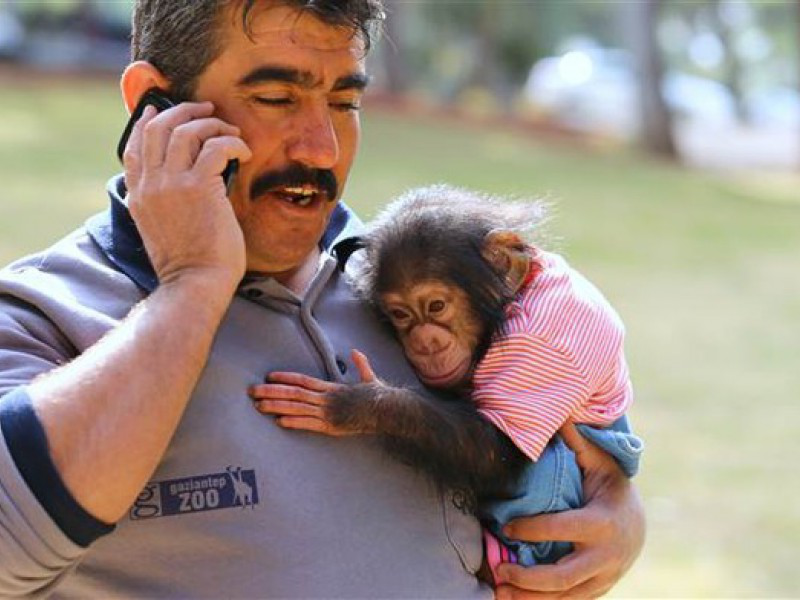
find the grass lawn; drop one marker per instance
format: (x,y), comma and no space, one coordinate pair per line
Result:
(703,270)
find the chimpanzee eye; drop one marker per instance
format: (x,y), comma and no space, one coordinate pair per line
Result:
(398,315)
(436,306)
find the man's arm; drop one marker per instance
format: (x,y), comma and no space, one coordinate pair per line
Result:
(109,414)
(608,533)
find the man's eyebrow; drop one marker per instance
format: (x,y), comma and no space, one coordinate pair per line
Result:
(271,74)
(354,81)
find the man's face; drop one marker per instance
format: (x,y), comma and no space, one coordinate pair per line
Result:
(293,88)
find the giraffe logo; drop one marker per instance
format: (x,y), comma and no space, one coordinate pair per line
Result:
(232,488)
(243,491)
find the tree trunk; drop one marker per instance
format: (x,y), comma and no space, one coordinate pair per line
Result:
(393,51)
(733,72)
(656,126)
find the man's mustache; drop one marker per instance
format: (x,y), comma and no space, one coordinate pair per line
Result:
(296,175)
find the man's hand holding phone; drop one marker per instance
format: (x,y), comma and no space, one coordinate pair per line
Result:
(176,194)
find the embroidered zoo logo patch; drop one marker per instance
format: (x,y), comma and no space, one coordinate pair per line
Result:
(235,487)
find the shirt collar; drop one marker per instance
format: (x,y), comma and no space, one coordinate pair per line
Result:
(114,231)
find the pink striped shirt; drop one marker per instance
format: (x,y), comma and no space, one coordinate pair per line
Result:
(559,355)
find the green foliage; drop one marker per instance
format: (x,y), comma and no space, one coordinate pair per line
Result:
(702,270)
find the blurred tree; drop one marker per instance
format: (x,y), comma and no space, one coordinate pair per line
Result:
(724,25)
(641,18)
(473,27)
(393,48)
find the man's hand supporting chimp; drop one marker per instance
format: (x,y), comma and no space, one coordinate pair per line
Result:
(608,532)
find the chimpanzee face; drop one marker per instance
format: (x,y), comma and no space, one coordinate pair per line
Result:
(438,329)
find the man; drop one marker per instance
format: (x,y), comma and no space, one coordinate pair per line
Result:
(126,351)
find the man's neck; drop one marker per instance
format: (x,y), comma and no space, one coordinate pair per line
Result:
(298,279)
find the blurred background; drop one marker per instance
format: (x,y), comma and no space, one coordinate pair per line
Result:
(666,135)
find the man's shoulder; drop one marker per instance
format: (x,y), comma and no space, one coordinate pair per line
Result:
(73,272)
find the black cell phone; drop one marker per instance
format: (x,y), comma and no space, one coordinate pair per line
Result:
(160,99)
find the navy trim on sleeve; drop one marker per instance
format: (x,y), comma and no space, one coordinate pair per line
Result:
(28,446)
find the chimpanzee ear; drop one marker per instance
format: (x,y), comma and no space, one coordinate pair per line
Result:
(507,253)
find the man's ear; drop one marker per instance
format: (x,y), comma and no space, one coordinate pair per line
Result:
(508,254)
(137,78)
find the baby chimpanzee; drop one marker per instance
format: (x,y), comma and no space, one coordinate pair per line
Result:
(519,341)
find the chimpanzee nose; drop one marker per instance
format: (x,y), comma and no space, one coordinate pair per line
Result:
(428,338)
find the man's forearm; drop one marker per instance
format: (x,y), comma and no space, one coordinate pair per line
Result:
(109,414)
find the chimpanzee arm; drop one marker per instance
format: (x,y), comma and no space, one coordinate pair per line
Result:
(447,439)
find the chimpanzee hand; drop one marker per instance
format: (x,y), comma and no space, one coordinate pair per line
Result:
(608,534)
(302,402)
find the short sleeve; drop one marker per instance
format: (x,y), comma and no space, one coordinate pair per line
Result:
(528,388)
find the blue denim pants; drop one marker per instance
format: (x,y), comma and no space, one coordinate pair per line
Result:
(553,483)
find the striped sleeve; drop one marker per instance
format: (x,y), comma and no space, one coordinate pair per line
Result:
(528,389)
(560,356)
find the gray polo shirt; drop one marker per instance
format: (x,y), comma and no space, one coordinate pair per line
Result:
(238,507)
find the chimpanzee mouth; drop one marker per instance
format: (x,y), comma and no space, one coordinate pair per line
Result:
(449,378)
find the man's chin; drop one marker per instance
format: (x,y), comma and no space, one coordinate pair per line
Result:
(281,267)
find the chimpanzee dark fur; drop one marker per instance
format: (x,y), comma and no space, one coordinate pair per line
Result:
(437,233)
(444,438)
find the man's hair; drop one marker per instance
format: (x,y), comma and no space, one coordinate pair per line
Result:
(182,37)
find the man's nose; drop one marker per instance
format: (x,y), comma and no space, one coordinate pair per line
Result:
(314,143)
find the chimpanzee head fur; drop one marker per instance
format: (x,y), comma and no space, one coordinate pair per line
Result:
(437,234)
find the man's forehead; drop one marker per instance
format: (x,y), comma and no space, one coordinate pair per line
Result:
(277,25)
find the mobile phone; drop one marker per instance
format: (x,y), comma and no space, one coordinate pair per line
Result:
(160,99)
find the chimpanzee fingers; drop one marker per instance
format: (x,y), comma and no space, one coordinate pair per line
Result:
(309,424)
(293,393)
(282,408)
(364,368)
(303,381)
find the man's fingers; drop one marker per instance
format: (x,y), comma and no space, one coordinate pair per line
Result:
(568,573)
(569,526)
(588,456)
(573,438)
(216,152)
(364,368)
(187,139)
(509,592)
(132,156)
(593,588)
(300,380)
(159,130)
